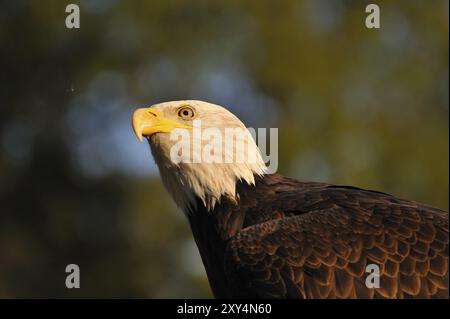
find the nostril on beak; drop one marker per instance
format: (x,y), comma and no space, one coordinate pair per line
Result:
(152,113)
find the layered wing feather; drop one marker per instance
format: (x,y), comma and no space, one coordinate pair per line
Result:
(323,239)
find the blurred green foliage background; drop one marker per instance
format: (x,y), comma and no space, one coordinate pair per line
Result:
(353,106)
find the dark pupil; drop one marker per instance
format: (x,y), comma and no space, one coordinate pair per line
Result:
(185,112)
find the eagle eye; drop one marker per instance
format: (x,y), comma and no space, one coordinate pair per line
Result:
(186,112)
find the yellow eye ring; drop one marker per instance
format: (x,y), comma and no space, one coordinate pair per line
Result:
(185,112)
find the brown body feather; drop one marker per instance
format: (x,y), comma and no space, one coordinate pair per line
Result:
(291,239)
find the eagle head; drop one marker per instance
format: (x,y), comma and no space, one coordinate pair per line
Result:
(201,149)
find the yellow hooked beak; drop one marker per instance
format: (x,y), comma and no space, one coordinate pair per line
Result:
(148,121)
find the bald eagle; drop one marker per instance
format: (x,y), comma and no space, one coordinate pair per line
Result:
(264,235)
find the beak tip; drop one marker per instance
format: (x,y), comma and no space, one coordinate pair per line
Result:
(138,135)
(136,125)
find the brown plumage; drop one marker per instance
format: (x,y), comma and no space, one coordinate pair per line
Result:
(291,239)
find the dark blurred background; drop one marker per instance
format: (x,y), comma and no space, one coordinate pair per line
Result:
(353,106)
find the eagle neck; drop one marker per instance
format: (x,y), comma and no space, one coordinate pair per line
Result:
(212,232)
